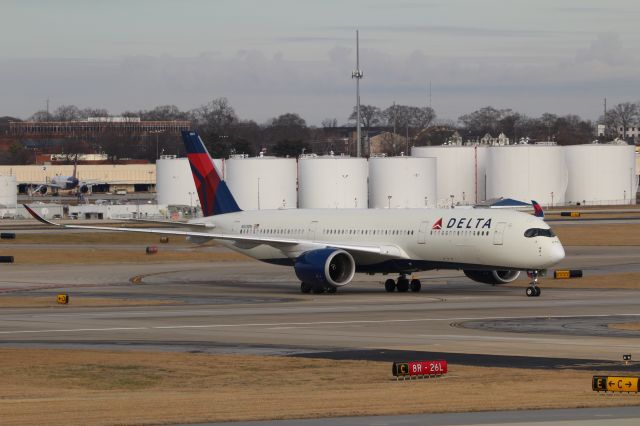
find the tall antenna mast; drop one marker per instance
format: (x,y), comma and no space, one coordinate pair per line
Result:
(357,74)
(604,119)
(429,93)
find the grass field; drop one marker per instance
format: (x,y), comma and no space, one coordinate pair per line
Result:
(102,387)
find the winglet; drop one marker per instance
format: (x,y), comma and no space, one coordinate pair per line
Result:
(38,217)
(537,209)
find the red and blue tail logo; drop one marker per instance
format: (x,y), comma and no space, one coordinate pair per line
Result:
(215,197)
(537,210)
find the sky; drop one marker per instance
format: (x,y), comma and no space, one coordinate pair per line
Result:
(272,57)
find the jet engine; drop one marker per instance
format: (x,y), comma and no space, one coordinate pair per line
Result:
(324,267)
(84,189)
(43,190)
(492,277)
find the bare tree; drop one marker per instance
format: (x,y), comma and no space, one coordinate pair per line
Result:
(623,115)
(67,113)
(369,115)
(329,123)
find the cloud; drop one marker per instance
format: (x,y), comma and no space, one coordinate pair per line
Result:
(262,86)
(606,49)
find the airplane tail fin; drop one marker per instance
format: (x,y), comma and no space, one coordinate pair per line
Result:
(537,209)
(215,197)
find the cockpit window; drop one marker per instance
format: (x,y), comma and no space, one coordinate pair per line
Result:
(539,232)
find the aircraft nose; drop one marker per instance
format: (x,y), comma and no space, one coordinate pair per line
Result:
(556,252)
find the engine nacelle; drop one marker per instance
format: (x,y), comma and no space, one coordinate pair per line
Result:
(493,277)
(43,190)
(325,267)
(84,189)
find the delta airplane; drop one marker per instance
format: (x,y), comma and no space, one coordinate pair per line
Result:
(326,247)
(65,183)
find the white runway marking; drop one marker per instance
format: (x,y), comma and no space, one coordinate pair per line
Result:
(311,323)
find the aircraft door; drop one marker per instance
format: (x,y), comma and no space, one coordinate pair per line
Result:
(498,233)
(235,229)
(422,232)
(311,230)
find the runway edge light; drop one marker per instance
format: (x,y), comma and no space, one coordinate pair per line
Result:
(63,299)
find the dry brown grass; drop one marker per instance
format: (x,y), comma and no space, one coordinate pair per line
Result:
(44,256)
(62,237)
(91,387)
(628,280)
(627,234)
(76,301)
(630,326)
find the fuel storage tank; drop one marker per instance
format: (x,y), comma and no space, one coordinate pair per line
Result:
(461,172)
(259,183)
(174,181)
(402,182)
(601,174)
(332,182)
(527,172)
(8,191)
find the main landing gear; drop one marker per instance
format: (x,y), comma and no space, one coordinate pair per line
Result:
(403,284)
(533,290)
(317,289)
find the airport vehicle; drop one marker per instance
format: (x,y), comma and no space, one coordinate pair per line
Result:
(66,183)
(326,247)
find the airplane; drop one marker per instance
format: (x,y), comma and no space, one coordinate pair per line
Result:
(327,247)
(64,183)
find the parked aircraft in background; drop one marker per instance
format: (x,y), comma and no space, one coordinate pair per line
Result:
(65,183)
(326,247)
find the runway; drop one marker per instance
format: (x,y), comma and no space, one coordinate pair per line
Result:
(250,307)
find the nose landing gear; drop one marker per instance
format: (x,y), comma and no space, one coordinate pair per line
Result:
(533,290)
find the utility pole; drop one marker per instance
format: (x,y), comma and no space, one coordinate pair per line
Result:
(357,74)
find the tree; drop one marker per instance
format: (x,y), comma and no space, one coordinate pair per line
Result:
(403,117)
(40,116)
(215,117)
(289,148)
(483,121)
(93,112)
(622,116)
(67,113)
(329,123)
(286,127)
(369,115)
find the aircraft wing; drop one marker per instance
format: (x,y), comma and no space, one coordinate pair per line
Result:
(289,246)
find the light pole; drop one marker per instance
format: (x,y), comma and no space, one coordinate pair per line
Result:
(389,198)
(452,197)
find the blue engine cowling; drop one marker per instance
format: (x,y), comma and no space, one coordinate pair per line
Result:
(328,266)
(492,277)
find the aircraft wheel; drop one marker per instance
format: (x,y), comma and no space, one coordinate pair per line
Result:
(415,285)
(403,285)
(390,285)
(531,291)
(331,289)
(318,289)
(538,291)
(305,287)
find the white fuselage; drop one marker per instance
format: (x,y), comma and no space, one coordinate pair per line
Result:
(422,238)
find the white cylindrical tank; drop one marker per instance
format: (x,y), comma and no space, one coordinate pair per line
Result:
(601,174)
(259,183)
(332,182)
(527,172)
(461,172)
(174,181)
(402,182)
(8,191)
